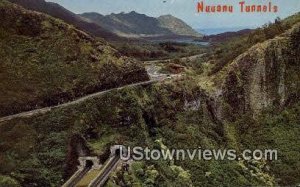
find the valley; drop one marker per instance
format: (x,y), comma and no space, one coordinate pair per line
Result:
(73,89)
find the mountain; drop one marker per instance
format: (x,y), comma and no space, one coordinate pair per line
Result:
(57,11)
(251,103)
(45,61)
(177,26)
(226,35)
(264,76)
(134,24)
(264,80)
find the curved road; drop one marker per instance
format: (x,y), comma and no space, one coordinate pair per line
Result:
(77,101)
(155,78)
(191,58)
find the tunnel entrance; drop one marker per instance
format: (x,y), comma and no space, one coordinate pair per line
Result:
(118,150)
(91,162)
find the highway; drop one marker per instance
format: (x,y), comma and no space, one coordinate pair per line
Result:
(151,69)
(191,58)
(105,172)
(77,177)
(77,101)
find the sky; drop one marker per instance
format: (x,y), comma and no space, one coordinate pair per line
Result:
(187,11)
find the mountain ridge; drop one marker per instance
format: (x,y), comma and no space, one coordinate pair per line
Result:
(134,24)
(177,25)
(58,11)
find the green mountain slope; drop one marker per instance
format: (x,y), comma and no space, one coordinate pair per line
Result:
(253,103)
(57,11)
(45,62)
(177,26)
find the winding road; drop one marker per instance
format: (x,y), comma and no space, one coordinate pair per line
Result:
(150,67)
(77,101)
(191,58)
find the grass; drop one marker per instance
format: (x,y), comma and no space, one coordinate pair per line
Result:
(106,140)
(86,180)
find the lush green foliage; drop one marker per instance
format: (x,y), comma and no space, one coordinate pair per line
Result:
(145,51)
(45,62)
(227,51)
(152,116)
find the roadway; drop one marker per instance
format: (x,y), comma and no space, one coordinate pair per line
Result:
(151,68)
(191,58)
(107,170)
(74,102)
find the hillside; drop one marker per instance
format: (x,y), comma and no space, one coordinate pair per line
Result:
(249,102)
(177,26)
(165,116)
(255,106)
(57,11)
(226,35)
(264,76)
(45,62)
(133,24)
(227,50)
(258,92)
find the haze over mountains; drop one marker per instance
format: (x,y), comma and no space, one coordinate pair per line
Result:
(114,26)
(134,24)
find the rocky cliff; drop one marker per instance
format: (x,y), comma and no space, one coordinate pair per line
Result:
(265,76)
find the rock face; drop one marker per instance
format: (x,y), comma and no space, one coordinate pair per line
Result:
(134,24)
(267,75)
(76,148)
(45,61)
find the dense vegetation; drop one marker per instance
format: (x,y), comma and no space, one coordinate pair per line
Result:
(145,51)
(226,51)
(45,61)
(156,118)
